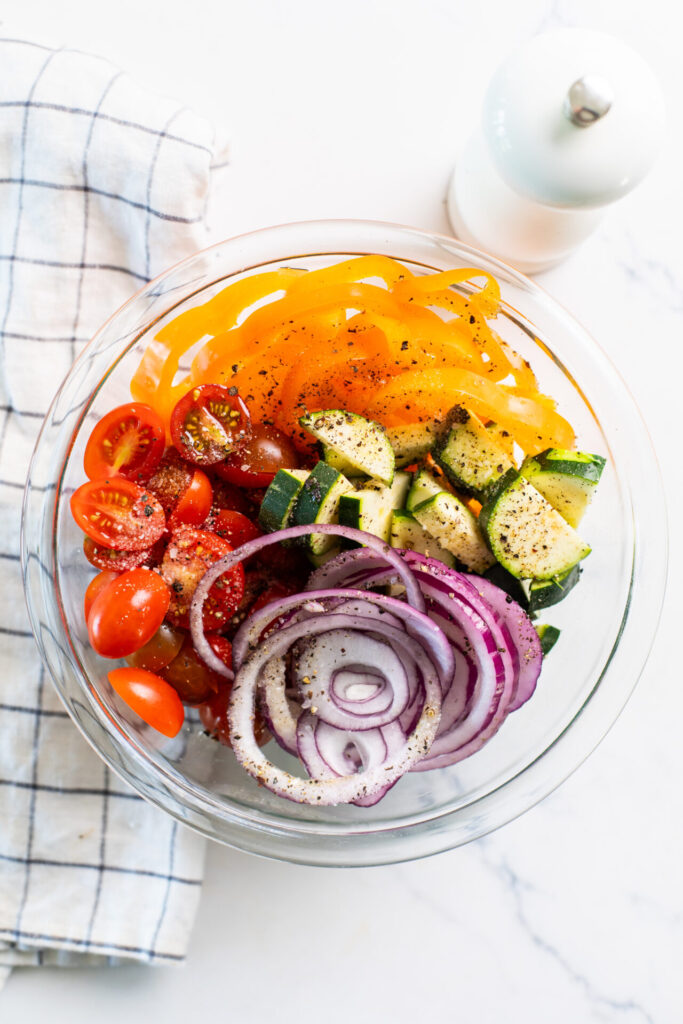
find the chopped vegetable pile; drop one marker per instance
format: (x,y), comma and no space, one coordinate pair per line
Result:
(335,529)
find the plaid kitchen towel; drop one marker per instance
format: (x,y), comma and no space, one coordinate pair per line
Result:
(102,186)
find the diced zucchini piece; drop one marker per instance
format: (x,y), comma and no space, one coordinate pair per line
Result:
(567,479)
(363,443)
(279,499)
(407,533)
(526,534)
(516,589)
(544,593)
(425,485)
(318,502)
(453,525)
(412,442)
(338,462)
(468,455)
(318,560)
(371,508)
(548,635)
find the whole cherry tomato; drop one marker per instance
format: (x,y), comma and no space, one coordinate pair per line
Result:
(160,651)
(97,584)
(190,676)
(118,514)
(127,613)
(234,527)
(194,503)
(188,555)
(128,442)
(208,423)
(150,697)
(258,458)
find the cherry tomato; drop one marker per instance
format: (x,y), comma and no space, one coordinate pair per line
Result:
(127,613)
(188,555)
(150,697)
(194,504)
(234,527)
(128,441)
(274,592)
(98,583)
(259,457)
(288,562)
(190,676)
(170,481)
(208,423)
(160,651)
(221,647)
(118,514)
(214,717)
(111,558)
(227,496)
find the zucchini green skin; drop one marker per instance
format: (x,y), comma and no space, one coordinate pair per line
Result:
(371,508)
(548,635)
(424,485)
(280,498)
(545,593)
(525,533)
(468,454)
(567,479)
(318,502)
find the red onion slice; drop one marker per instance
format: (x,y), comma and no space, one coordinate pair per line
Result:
(379,547)
(369,781)
(280,713)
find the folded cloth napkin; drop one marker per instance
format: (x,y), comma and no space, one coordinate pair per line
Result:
(102,185)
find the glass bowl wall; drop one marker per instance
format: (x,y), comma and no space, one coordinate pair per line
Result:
(607,623)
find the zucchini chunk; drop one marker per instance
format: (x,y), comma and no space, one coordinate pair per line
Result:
(544,593)
(468,454)
(412,442)
(362,443)
(371,508)
(318,502)
(567,479)
(452,524)
(425,485)
(548,635)
(526,534)
(279,499)
(407,533)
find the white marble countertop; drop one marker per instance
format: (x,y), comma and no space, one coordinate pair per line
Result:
(573,913)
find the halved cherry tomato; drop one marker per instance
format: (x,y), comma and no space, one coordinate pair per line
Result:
(160,651)
(128,442)
(171,480)
(115,560)
(234,527)
(150,697)
(258,458)
(188,555)
(97,584)
(118,514)
(214,717)
(194,504)
(127,613)
(208,423)
(191,677)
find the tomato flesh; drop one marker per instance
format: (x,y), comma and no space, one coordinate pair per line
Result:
(170,481)
(114,560)
(118,514)
(126,614)
(188,555)
(160,651)
(227,496)
(128,442)
(150,697)
(194,504)
(97,584)
(259,457)
(208,423)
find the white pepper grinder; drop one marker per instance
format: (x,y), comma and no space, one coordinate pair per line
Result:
(572,121)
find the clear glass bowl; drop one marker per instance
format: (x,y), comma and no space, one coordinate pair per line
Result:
(608,623)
